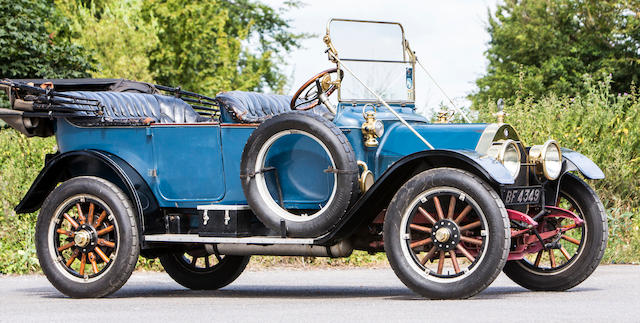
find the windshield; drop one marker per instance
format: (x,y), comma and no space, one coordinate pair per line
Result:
(375,51)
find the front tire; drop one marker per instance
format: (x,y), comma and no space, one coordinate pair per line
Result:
(87,238)
(446,234)
(199,270)
(580,250)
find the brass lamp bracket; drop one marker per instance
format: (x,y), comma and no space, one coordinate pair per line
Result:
(369,125)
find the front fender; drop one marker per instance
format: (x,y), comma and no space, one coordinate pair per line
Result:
(380,194)
(100,164)
(579,162)
(491,169)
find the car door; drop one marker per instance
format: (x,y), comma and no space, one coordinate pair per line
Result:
(188,162)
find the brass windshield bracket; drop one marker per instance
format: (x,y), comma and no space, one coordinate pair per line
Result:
(330,47)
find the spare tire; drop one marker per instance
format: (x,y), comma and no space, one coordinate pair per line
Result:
(343,168)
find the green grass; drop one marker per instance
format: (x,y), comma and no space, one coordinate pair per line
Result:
(21,159)
(624,236)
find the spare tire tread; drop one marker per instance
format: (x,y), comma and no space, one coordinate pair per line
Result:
(342,153)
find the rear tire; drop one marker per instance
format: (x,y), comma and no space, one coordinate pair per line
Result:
(87,238)
(198,270)
(474,242)
(588,254)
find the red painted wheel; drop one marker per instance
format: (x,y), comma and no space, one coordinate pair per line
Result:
(571,256)
(566,246)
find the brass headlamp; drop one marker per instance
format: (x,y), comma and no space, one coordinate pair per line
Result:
(508,153)
(547,159)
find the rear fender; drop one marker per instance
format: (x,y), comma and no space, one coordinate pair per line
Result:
(380,194)
(101,164)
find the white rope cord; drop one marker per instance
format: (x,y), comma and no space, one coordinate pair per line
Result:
(382,101)
(464,116)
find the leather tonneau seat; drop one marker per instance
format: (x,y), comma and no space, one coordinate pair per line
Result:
(123,106)
(253,107)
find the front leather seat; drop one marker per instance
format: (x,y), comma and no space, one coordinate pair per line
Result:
(253,107)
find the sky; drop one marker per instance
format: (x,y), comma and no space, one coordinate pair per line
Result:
(449,37)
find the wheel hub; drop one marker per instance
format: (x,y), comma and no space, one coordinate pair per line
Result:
(86,238)
(82,238)
(446,234)
(443,234)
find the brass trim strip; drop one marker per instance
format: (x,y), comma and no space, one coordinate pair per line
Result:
(239,125)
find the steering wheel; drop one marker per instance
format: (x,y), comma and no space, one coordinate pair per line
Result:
(317,90)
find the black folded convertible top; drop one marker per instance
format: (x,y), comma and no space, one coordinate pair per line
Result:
(35,103)
(89,84)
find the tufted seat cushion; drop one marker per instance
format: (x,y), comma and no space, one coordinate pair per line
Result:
(253,107)
(122,106)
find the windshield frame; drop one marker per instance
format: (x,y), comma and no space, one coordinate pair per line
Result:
(408,58)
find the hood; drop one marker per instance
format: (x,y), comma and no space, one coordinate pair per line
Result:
(400,141)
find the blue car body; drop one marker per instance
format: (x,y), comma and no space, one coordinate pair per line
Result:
(187,165)
(182,166)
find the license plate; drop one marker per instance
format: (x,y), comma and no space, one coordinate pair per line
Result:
(522,195)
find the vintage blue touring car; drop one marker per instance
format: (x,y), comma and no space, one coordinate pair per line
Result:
(204,183)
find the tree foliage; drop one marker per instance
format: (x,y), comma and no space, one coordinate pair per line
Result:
(539,47)
(35,43)
(115,33)
(206,46)
(212,46)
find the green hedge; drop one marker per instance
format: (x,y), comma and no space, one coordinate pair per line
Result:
(21,159)
(606,128)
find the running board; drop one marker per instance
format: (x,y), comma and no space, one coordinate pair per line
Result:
(194,238)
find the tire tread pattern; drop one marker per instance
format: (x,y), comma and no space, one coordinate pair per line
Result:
(344,148)
(131,256)
(403,193)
